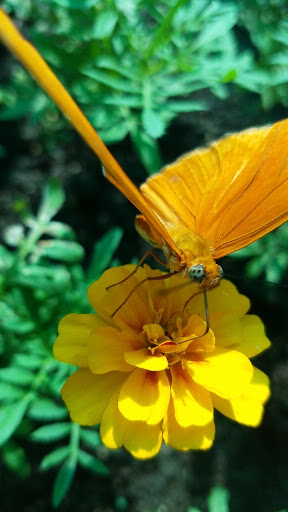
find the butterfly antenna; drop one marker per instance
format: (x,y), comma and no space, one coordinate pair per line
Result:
(149,278)
(152,253)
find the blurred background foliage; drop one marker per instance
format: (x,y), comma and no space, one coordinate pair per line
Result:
(137,68)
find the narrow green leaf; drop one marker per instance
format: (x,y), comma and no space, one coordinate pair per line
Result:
(114,133)
(44,278)
(148,150)
(52,200)
(59,230)
(46,410)
(29,362)
(87,461)
(105,23)
(14,457)
(6,258)
(152,123)
(185,106)
(11,416)
(54,458)
(9,393)
(63,481)
(218,500)
(103,252)
(90,437)
(15,375)
(63,250)
(49,433)
(120,84)
(75,4)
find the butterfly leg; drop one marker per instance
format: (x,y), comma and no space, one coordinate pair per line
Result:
(152,253)
(149,278)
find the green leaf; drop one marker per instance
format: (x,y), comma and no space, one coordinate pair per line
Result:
(9,393)
(119,84)
(218,500)
(11,416)
(49,433)
(75,4)
(147,149)
(217,26)
(52,200)
(44,278)
(115,133)
(46,410)
(105,24)
(14,457)
(30,362)
(87,461)
(185,106)
(90,437)
(59,230)
(103,252)
(6,258)
(14,375)
(54,458)
(63,250)
(63,481)
(152,123)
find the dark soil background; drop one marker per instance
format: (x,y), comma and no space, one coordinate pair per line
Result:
(251,463)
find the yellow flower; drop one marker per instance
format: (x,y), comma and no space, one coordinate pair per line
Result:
(147,374)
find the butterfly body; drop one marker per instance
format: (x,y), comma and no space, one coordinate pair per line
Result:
(209,203)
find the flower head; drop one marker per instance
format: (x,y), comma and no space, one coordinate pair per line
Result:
(149,374)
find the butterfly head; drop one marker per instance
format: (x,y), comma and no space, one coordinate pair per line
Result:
(205,277)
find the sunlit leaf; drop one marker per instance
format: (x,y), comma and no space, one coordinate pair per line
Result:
(11,416)
(52,200)
(87,461)
(49,433)
(54,458)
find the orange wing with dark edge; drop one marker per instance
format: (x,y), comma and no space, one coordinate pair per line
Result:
(38,68)
(231,193)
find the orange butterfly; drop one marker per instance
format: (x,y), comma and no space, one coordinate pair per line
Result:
(207,204)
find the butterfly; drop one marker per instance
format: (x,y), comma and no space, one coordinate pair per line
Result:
(209,203)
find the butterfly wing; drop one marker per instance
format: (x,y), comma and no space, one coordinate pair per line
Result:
(231,193)
(34,63)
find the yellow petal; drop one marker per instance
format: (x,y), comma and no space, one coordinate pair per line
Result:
(144,359)
(135,313)
(107,347)
(224,372)
(248,408)
(192,403)
(144,396)
(254,340)
(86,395)
(71,346)
(189,438)
(143,441)
(226,300)
(113,424)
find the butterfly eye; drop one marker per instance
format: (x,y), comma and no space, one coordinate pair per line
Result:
(196,273)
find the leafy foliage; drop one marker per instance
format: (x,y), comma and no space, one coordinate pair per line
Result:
(132,66)
(41,281)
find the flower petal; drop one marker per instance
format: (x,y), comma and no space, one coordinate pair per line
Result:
(247,408)
(254,340)
(86,395)
(71,346)
(224,372)
(140,439)
(106,349)
(192,403)
(190,438)
(135,312)
(144,396)
(144,359)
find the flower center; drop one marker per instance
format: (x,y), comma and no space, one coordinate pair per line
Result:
(173,339)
